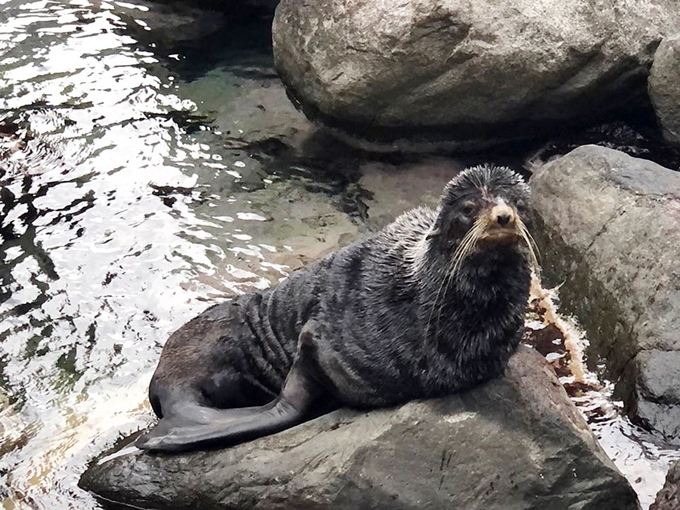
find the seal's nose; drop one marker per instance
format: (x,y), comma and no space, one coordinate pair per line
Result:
(503,219)
(502,215)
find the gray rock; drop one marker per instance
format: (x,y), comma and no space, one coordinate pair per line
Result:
(609,230)
(515,443)
(465,73)
(668,498)
(664,87)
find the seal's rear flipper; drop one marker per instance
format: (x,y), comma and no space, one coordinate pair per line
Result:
(169,436)
(294,405)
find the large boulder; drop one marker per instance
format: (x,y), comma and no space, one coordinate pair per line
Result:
(514,443)
(668,498)
(465,73)
(664,87)
(609,231)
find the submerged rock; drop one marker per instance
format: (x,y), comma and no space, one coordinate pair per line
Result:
(664,87)
(514,443)
(609,232)
(669,497)
(465,74)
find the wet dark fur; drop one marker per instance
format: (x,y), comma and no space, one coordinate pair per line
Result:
(380,326)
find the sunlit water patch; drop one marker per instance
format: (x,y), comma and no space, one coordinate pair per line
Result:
(113,234)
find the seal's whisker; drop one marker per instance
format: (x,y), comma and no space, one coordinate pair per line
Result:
(464,249)
(447,281)
(450,270)
(535,254)
(434,305)
(467,244)
(531,244)
(531,239)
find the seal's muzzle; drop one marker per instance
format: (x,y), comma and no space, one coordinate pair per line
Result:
(500,223)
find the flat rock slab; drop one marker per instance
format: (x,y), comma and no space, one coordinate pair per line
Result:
(514,443)
(609,231)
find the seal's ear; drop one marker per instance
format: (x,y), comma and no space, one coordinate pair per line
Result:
(433,233)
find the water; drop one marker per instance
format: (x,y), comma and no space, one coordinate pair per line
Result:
(119,222)
(150,165)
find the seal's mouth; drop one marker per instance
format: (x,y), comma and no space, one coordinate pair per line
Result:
(501,236)
(499,224)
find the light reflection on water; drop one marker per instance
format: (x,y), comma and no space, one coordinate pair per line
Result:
(95,268)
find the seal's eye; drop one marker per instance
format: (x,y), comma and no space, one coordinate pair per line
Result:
(467,208)
(521,206)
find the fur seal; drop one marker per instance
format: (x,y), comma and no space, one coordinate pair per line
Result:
(432,304)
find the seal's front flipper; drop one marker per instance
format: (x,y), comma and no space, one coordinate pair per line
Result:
(296,402)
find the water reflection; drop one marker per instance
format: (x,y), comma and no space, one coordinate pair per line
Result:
(119,218)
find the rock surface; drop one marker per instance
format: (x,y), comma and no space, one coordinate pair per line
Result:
(609,230)
(669,497)
(664,87)
(465,74)
(515,443)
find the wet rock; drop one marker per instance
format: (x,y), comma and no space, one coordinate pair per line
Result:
(262,113)
(669,497)
(515,443)
(396,188)
(465,74)
(664,87)
(609,231)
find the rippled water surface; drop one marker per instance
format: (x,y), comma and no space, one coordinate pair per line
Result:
(122,215)
(148,167)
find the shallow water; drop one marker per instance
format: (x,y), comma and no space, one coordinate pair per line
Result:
(120,220)
(151,165)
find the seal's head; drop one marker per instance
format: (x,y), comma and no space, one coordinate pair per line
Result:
(482,208)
